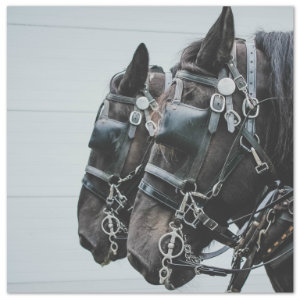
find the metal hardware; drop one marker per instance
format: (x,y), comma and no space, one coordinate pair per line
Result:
(174,235)
(217,188)
(244,146)
(264,231)
(261,166)
(142,103)
(241,83)
(210,224)
(212,103)
(237,118)
(151,127)
(226,86)
(135,118)
(255,105)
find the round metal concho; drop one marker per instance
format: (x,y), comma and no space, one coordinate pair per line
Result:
(226,86)
(142,103)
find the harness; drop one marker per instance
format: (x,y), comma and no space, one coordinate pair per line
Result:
(191,129)
(113,139)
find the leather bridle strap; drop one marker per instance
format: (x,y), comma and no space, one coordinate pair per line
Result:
(210,81)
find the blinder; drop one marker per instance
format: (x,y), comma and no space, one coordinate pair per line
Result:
(180,132)
(108,135)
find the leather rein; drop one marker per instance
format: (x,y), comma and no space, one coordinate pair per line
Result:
(194,201)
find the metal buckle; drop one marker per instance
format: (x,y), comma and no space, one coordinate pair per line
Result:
(212,103)
(255,114)
(135,118)
(237,119)
(262,168)
(240,83)
(150,124)
(210,224)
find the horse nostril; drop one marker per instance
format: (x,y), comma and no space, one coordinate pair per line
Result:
(85,243)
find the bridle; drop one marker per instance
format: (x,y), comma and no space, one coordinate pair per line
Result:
(117,207)
(190,204)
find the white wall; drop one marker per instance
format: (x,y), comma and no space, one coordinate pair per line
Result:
(60,61)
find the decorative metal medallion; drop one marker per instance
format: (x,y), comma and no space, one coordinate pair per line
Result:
(226,86)
(142,103)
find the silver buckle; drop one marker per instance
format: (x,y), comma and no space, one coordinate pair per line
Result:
(255,114)
(135,118)
(237,118)
(150,124)
(212,103)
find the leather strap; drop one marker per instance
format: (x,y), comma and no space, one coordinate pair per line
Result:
(229,105)
(89,186)
(178,90)
(251,80)
(98,173)
(217,103)
(165,176)
(120,99)
(210,81)
(168,80)
(157,195)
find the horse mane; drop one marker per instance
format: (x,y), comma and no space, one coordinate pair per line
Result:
(278,47)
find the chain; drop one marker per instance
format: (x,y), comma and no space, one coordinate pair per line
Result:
(188,254)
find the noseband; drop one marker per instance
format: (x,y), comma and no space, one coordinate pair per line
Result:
(114,138)
(190,129)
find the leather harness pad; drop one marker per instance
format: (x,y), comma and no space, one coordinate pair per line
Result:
(182,127)
(108,135)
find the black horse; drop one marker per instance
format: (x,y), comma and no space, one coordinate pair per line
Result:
(125,87)
(170,160)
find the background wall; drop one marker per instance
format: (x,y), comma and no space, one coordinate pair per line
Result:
(60,61)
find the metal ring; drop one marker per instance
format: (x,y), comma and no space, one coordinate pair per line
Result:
(245,147)
(256,106)
(113,231)
(195,189)
(167,254)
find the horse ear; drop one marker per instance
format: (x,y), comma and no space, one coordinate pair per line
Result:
(136,73)
(216,47)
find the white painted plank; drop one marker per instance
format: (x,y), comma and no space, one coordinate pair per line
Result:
(195,19)
(45,256)
(47,152)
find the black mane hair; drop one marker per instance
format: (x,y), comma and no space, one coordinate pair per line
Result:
(278,47)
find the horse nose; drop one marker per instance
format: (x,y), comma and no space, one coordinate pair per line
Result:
(86,243)
(142,267)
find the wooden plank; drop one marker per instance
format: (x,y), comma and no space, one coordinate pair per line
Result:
(195,19)
(47,152)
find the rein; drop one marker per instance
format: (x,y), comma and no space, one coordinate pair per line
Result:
(191,208)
